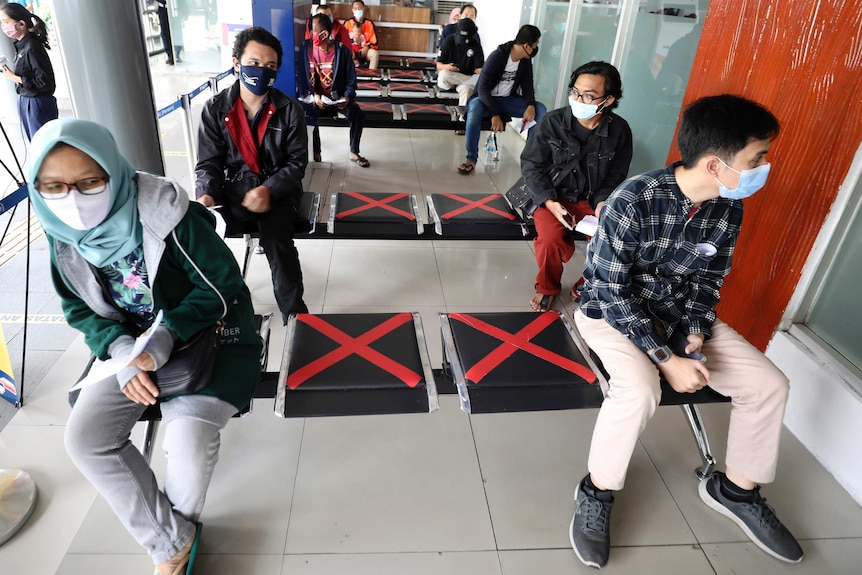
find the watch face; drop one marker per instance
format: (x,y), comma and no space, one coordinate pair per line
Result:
(661,355)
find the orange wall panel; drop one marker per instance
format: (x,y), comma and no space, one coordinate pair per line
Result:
(802,59)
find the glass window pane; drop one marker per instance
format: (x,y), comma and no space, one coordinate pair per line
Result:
(836,314)
(655,71)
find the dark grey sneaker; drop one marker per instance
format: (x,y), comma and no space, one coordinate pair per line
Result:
(756,519)
(589,532)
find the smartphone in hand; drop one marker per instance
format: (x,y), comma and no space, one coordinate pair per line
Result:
(569,220)
(678,342)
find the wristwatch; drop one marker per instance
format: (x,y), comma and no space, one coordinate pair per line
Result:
(660,354)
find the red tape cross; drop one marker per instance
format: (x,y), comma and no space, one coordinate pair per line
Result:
(372,203)
(512,342)
(434,108)
(354,345)
(480,204)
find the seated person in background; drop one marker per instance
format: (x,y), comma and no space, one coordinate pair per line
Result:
(504,90)
(252,154)
(339,32)
(329,75)
(571,164)
(654,269)
(466,11)
(461,57)
(363,36)
(124,246)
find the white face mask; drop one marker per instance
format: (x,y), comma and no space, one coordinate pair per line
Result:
(81,211)
(358,14)
(583,111)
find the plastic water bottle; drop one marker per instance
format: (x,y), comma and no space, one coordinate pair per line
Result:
(491,153)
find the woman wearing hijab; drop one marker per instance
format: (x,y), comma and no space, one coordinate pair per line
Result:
(125,245)
(31,71)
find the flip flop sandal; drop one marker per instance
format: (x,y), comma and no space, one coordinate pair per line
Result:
(466,168)
(574,294)
(544,304)
(361,162)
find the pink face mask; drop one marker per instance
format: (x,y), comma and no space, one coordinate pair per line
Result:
(10,30)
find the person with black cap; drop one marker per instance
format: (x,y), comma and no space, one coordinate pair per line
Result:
(461,57)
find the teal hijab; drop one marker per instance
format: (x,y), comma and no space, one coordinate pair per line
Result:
(120,232)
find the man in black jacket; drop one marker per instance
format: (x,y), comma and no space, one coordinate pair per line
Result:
(329,85)
(252,154)
(504,91)
(571,164)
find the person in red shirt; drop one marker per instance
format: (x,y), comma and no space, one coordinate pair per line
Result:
(363,36)
(339,32)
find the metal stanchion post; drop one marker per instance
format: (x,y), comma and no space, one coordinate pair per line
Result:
(188,128)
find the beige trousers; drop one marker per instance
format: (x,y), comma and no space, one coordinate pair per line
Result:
(447,79)
(372,55)
(758,392)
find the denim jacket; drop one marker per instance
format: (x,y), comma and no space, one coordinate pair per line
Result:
(552,145)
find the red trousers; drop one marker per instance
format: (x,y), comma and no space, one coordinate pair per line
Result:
(554,245)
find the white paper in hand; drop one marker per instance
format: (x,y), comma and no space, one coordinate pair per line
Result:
(588,226)
(519,124)
(105,369)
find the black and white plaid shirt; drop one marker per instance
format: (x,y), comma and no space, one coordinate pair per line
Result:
(657,258)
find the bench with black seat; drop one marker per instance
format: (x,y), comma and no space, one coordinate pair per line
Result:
(378,215)
(476,216)
(355,364)
(524,361)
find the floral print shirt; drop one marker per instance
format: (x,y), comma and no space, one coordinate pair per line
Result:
(128,285)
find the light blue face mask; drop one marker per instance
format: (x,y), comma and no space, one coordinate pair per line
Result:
(750,181)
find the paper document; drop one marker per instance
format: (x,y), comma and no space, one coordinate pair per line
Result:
(519,124)
(588,226)
(330,102)
(105,369)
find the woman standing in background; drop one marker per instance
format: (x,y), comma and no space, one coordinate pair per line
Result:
(31,71)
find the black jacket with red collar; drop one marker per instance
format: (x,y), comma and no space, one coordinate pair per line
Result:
(227,150)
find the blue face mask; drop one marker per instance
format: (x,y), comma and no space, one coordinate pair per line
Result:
(257,79)
(750,181)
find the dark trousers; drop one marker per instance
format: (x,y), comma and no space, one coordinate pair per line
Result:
(36,111)
(165,32)
(355,117)
(276,228)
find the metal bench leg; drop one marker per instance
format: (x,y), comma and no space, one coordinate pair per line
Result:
(250,244)
(695,422)
(150,430)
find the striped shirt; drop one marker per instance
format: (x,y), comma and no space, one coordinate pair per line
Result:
(656,263)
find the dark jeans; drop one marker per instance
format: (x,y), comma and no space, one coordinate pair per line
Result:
(36,111)
(355,117)
(276,228)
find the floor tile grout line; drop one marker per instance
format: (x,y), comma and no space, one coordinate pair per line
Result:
(293,491)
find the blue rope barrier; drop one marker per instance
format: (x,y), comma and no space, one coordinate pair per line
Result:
(225,74)
(170,108)
(12,200)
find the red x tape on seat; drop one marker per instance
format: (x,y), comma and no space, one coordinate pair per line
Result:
(355,364)
(517,361)
(374,215)
(475,215)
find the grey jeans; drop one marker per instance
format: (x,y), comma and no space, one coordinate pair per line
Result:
(97,440)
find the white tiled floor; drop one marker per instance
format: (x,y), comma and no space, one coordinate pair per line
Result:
(444,493)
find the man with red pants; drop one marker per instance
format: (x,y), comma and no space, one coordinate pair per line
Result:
(572,162)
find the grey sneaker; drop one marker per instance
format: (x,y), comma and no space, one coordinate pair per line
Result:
(756,519)
(589,532)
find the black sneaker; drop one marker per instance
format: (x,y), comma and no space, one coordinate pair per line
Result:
(589,532)
(755,518)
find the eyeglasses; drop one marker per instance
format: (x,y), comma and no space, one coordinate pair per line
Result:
(59,190)
(586,98)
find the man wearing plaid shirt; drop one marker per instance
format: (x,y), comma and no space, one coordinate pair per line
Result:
(653,270)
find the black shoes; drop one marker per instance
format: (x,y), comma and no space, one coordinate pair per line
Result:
(755,518)
(589,532)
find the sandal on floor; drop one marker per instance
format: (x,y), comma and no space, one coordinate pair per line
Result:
(541,302)
(317,158)
(361,162)
(460,132)
(466,168)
